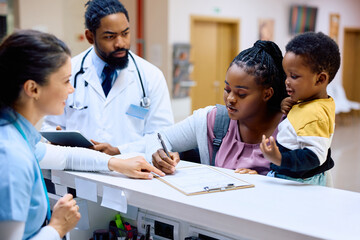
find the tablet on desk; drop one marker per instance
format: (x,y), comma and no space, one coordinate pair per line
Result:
(67,138)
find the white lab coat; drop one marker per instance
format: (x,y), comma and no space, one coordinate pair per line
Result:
(105,119)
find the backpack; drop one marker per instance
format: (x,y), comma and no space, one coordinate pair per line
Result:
(221,126)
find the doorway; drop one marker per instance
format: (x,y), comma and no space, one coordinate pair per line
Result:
(351,63)
(214,44)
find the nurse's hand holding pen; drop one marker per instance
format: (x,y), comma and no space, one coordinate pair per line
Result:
(136,167)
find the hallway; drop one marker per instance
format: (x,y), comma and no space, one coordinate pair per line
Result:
(346,152)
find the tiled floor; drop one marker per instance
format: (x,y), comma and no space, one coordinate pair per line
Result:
(346,152)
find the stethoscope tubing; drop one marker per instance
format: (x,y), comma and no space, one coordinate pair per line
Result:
(145,101)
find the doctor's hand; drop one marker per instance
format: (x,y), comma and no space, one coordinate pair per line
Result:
(105,148)
(136,167)
(65,215)
(163,162)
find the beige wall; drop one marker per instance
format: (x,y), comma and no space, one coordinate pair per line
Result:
(42,15)
(156,36)
(65,19)
(74,25)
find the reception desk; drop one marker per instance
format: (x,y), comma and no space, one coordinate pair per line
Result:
(273,209)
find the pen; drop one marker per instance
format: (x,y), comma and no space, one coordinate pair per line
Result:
(163,145)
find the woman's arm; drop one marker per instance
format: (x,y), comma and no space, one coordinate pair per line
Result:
(180,137)
(11,230)
(73,158)
(46,233)
(60,158)
(64,218)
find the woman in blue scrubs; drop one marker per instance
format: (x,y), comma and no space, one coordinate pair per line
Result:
(35,69)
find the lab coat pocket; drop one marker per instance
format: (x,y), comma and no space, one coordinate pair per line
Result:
(136,123)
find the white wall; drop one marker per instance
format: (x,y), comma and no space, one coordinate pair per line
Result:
(65,19)
(249,13)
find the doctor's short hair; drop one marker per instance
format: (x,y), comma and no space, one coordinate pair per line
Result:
(28,54)
(264,62)
(319,51)
(97,9)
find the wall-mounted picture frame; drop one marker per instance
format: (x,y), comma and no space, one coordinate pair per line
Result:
(302,19)
(181,71)
(334,26)
(266,29)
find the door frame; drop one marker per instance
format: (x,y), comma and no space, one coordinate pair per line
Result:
(235,22)
(345,80)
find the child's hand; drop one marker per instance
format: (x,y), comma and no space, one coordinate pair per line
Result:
(270,150)
(245,170)
(286,105)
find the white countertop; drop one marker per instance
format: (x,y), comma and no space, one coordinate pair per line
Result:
(273,209)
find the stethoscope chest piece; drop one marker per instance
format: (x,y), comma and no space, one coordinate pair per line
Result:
(145,102)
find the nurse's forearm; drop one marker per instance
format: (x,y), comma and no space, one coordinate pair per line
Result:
(60,158)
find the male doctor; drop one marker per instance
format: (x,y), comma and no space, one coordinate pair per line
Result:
(119,97)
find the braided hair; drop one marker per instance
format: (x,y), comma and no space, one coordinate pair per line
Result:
(264,62)
(97,9)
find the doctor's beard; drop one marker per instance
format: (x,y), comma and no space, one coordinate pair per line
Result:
(113,62)
(117,62)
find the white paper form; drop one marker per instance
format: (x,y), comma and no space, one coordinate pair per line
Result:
(202,179)
(86,189)
(114,198)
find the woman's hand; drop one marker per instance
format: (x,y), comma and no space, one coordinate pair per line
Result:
(136,167)
(286,105)
(245,171)
(163,162)
(65,215)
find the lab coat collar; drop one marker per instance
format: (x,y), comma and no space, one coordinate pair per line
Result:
(89,61)
(120,83)
(126,77)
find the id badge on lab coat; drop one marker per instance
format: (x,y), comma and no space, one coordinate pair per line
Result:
(137,111)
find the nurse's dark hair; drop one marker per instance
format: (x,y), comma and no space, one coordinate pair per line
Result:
(25,55)
(97,9)
(264,62)
(319,51)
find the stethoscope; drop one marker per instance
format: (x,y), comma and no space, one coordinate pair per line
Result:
(144,101)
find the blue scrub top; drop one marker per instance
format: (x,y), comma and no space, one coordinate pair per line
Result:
(21,190)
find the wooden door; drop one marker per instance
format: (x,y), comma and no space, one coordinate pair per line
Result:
(214,44)
(351,64)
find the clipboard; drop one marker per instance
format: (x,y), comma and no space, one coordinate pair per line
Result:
(202,179)
(67,138)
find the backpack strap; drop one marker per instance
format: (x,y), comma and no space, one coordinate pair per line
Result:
(221,126)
